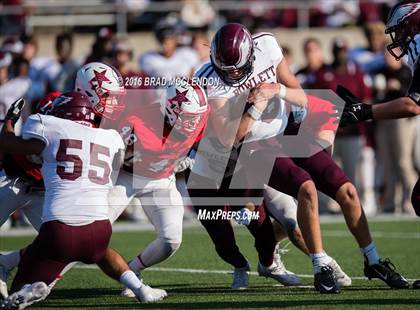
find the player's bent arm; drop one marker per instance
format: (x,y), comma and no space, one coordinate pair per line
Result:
(10,143)
(292,91)
(399,108)
(222,123)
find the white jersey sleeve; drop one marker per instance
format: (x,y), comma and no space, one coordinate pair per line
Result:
(267,42)
(34,128)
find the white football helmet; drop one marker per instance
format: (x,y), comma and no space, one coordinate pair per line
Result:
(104,87)
(185,106)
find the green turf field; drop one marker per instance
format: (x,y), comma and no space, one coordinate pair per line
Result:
(84,288)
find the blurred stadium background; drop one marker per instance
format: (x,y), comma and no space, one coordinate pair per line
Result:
(43,43)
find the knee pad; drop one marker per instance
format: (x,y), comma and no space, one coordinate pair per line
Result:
(170,246)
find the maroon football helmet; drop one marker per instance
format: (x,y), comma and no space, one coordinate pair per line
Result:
(232,53)
(76,107)
(403,24)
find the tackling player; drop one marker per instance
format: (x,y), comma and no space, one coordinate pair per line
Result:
(78,160)
(158,135)
(103,85)
(403,26)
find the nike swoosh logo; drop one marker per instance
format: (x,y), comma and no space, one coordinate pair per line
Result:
(381,275)
(327,288)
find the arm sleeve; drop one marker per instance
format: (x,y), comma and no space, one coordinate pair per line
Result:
(275,51)
(34,128)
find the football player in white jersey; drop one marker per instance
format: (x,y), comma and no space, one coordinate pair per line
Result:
(78,162)
(103,85)
(252,63)
(403,26)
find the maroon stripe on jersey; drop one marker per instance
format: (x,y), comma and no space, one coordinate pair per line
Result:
(201,95)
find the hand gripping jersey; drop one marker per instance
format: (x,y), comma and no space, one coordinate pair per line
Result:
(268,55)
(414,63)
(153,149)
(77,166)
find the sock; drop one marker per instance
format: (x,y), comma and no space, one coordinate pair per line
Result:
(319,260)
(11,260)
(370,253)
(130,280)
(136,264)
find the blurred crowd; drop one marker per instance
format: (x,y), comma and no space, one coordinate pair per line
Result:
(381,158)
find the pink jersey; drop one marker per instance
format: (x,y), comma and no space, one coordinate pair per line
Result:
(153,149)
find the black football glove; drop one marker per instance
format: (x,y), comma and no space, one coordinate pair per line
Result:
(354,111)
(15,110)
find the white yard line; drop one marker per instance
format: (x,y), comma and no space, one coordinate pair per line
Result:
(207,271)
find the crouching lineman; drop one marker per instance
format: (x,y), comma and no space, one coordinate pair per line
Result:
(158,135)
(403,26)
(103,85)
(78,160)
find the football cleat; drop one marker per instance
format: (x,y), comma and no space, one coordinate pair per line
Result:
(240,278)
(4,273)
(147,294)
(28,295)
(341,278)
(386,271)
(278,272)
(128,293)
(416,285)
(324,281)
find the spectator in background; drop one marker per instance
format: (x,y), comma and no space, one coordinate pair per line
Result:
(395,140)
(201,44)
(371,58)
(37,67)
(197,14)
(102,46)
(349,141)
(12,89)
(170,60)
(121,56)
(62,74)
(314,62)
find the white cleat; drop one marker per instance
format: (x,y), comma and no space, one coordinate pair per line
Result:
(128,293)
(240,278)
(28,295)
(4,273)
(341,278)
(147,294)
(278,272)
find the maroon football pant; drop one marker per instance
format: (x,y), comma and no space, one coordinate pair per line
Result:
(290,173)
(221,231)
(415,197)
(59,244)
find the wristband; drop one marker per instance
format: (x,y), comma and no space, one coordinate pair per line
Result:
(254,113)
(366,112)
(282,92)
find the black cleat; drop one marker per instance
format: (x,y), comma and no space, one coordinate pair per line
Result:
(386,271)
(416,285)
(324,281)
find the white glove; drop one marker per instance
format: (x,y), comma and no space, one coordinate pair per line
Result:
(243,217)
(184,164)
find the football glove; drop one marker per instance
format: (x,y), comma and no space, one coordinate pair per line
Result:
(354,111)
(15,110)
(184,164)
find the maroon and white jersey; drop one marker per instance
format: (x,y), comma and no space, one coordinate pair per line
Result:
(268,55)
(77,167)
